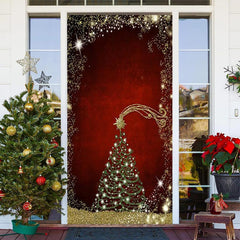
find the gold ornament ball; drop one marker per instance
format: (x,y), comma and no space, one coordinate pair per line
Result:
(26,152)
(11,130)
(50,161)
(47,128)
(56,186)
(50,111)
(28,107)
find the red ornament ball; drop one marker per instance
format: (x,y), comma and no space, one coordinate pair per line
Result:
(55,143)
(27,206)
(2,194)
(41,180)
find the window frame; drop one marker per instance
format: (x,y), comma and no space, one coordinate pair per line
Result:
(176,12)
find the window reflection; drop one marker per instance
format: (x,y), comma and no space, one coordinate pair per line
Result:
(99,2)
(189,130)
(192,201)
(194,67)
(155,2)
(190,2)
(191,169)
(193,33)
(44,33)
(42,2)
(70,2)
(193,101)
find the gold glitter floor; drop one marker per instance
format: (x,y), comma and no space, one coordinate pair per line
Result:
(76,216)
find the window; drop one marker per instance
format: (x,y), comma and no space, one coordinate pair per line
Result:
(119,2)
(44,43)
(193,114)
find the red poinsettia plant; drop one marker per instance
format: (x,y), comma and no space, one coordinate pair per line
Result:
(222,153)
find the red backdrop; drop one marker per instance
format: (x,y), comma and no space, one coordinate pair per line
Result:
(120,71)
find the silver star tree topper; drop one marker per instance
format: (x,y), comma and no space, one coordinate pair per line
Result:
(43,81)
(28,63)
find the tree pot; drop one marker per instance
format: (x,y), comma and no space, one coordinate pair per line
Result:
(28,229)
(228,184)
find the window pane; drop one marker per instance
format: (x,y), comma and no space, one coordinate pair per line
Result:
(44,33)
(49,63)
(191,169)
(70,2)
(127,2)
(99,2)
(189,129)
(190,2)
(192,200)
(193,101)
(193,33)
(194,67)
(155,2)
(42,2)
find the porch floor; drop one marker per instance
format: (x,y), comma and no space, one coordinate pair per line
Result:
(174,232)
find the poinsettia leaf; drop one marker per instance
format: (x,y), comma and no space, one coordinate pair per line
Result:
(233,155)
(207,160)
(211,148)
(222,157)
(237,145)
(227,167)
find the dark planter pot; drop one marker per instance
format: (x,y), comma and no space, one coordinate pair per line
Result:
(20,228)
(228,184)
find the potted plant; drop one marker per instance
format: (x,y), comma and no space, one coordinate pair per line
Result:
(221,154)
(31,163)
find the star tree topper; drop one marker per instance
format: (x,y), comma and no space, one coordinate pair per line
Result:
(43,81)
(28,63)
(120,123)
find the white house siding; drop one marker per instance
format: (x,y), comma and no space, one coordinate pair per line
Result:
(234,57)
(5,50)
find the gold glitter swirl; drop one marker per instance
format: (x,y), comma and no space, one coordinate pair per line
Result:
(146,112)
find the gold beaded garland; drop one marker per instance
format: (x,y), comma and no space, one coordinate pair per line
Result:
(28,107)
(11,130)
(47,128)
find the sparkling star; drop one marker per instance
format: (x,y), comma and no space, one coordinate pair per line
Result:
(160,183)
(120,123)
(28,63)
(79,45)
(43,81)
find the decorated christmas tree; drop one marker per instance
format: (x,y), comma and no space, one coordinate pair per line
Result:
(31,158)
(120,188)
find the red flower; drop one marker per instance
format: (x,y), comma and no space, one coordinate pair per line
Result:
(229,147)
(236,141)
(219,143)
